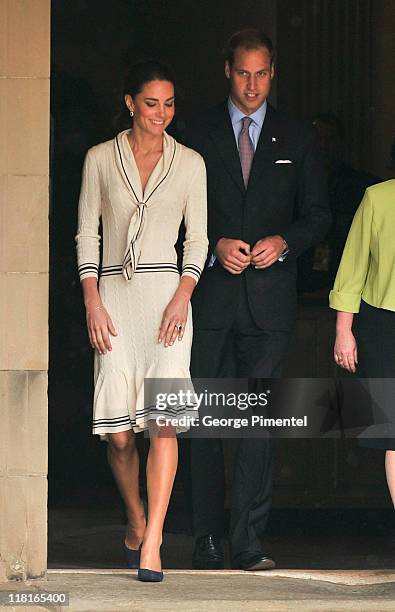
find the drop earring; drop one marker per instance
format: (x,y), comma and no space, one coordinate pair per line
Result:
(131,113)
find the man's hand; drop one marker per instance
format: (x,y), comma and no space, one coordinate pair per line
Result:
(267,251)
(234,255)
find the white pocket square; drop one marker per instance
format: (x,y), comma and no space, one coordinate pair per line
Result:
(283,161)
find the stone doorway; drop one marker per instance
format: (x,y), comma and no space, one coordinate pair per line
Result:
(25,180)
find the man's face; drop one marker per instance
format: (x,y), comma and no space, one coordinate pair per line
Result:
(250,78)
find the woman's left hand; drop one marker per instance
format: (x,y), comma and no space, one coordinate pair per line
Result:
(174,319)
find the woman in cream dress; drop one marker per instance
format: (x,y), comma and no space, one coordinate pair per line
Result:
(142,185)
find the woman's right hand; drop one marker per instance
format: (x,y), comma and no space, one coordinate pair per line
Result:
(345,350)
(100,327)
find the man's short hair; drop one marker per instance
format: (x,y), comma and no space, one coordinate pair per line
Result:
(249,38)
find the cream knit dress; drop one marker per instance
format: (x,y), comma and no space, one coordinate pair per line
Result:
(139,274)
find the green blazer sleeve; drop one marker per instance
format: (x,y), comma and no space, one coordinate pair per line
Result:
(351,275)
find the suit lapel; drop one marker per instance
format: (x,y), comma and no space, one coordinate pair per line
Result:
(224,138)
(266,149)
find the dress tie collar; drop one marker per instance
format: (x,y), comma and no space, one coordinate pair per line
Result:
(131,177)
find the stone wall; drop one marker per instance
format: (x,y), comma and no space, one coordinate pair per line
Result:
(24,188)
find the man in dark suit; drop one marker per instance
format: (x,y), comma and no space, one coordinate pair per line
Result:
(267,202)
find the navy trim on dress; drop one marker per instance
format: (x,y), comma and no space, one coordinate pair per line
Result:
(142,268)
(193,269)
(145,200)
(88,268)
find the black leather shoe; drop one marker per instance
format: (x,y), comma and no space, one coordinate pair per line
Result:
(253,564)
(208,553)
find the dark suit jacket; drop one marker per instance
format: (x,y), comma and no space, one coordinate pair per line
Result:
(289,199)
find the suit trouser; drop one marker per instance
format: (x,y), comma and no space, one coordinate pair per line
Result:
(244,350)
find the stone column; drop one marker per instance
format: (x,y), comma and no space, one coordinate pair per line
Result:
(24,189)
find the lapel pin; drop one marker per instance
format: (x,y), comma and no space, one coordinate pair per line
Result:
(274,139)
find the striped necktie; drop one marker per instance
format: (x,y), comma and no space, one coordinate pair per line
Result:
(246,149)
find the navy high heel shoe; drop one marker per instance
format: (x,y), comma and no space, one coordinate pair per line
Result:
(147,575)
(132,556)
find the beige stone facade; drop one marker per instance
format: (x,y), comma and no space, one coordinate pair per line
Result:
(24,189)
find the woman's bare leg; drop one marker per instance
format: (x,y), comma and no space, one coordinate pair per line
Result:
(390,472)
(161,471)
(123,458)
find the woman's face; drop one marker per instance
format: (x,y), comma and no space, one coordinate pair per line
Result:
(153,107)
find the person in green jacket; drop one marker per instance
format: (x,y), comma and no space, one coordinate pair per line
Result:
(365,284)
